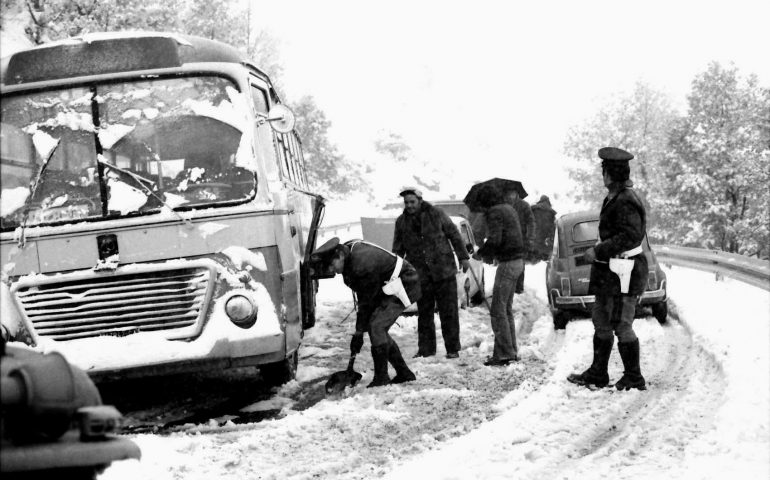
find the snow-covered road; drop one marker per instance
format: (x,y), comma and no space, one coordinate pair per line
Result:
(704,415)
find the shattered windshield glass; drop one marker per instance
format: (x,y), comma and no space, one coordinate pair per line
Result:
(123,149)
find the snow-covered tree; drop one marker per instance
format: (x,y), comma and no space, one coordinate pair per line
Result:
(397,165)
(328,170)
(56,19)
(719,163)
(639,122)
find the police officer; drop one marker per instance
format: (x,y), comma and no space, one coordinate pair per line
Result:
(366,269)
(617,254)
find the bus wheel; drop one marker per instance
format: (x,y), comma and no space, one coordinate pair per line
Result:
(560,319)
(281,372)
(660,312)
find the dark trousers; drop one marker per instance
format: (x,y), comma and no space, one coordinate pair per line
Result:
(443,294)
(383,317)
(501,312)
(520,281)
(615,313)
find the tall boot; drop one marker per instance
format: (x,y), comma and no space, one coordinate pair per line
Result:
(403,374)
(632,374)
(380,358)
(597,372)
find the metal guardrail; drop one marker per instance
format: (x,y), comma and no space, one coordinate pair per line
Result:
(753,271)
(335,230)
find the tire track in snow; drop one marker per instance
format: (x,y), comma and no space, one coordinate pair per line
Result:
(685,387)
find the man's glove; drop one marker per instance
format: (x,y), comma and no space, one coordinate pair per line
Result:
(356,343)
(590,255)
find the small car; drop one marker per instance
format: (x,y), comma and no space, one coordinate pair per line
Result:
(567,273)
(379,230)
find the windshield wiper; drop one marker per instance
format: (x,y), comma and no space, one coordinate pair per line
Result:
(32,189)
(139,179)
(143,183)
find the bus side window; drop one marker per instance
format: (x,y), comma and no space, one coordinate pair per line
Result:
(283,154)
(260,100)
(294,158)
(301,160)
(264,134)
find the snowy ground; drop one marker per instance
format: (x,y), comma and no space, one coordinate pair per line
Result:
(705,414)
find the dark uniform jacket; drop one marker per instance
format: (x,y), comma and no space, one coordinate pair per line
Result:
(545,226)
(526,222)
(367,269)
(622,226)
(424,239)
(503,241)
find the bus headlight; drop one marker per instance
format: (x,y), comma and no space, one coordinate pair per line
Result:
(241,311)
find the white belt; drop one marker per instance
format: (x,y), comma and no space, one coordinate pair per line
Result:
(630,253)
(395,286)
(397,270)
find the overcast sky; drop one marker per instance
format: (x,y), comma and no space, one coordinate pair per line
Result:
(492,82)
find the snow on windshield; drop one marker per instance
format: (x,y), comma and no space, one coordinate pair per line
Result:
(184,140)
(43,142)
(13,199)
(112,133)
(124,198)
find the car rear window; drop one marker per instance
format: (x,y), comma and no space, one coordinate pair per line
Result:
(585,231)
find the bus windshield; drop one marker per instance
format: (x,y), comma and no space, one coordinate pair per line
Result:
(122,149)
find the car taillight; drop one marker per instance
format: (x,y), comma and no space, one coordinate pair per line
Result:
(652,281)
(566,291)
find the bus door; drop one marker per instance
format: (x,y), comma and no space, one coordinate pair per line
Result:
(310,285)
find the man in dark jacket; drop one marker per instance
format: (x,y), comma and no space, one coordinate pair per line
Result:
(527,224)
(369,271)
(503,245)
(423,235)
(618,275)
(545,226)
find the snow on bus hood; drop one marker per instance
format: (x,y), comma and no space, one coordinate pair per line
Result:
(149,348)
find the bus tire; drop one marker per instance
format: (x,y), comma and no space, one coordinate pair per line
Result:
(560,319)
(660,312)
(278,373)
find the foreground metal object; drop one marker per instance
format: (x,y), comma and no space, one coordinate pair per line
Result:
(53,422)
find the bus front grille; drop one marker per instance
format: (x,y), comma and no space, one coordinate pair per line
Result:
(116,305)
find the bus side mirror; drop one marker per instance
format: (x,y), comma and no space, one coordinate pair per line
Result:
(281,118)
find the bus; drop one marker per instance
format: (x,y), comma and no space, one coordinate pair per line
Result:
(155,211)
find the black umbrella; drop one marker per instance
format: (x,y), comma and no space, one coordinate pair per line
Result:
(502,184)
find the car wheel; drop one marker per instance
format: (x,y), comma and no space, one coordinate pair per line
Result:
(281,372)
(478,297)
(560,319)
(660,311)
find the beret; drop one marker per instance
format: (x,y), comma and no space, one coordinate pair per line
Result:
(411,190)
(326,249)
(614,154)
